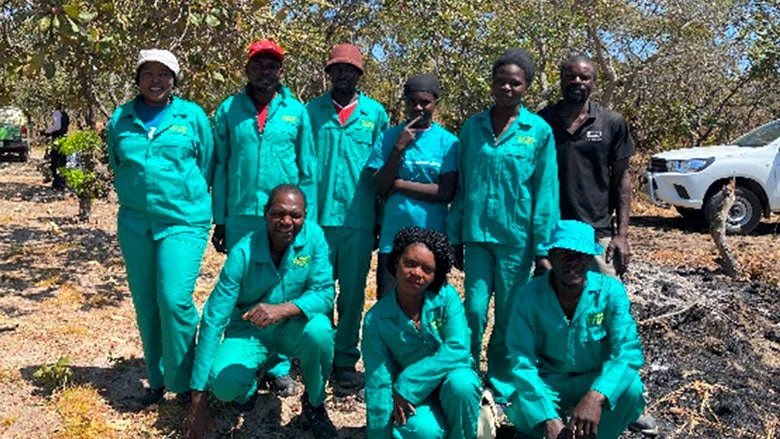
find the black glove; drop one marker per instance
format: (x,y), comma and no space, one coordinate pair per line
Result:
(218,238)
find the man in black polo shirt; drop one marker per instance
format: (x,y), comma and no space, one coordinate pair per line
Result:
(593,145)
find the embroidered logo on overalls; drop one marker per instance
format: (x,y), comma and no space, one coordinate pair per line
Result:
(367,124)
(595,318)
(525,140)
(438,321)
(179,129)
(301,261)
(290,119)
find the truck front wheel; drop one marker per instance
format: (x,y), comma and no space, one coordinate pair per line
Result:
(744,215)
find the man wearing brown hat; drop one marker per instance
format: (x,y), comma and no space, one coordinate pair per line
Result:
(346,123)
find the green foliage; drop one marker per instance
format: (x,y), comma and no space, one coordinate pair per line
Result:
(682,72)
(84,180)
(54,376)
(84,184)
(85,141)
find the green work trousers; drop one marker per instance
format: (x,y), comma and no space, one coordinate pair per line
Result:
(246,347)
(493,268)
(571,388)
(162,275)
(350,256)
(450,412)
(235,229)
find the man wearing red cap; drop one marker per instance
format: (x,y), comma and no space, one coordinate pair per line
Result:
(262,139)
(346,123)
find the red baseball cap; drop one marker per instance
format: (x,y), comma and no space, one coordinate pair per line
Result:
(265,46)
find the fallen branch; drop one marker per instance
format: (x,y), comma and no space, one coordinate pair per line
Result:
(723,200)
(668,315)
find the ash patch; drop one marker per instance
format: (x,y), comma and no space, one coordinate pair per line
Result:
(711,351)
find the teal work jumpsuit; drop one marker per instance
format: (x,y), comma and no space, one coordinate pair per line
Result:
(346,198)
(555,361)
(230,349)
(248,164)
(506,205)
(162,178)
(430,367)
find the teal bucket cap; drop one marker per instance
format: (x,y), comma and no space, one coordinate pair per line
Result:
(573,235)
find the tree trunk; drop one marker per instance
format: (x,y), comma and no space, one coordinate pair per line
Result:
(85,208)
(723,201)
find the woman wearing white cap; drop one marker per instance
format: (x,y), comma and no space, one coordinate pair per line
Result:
(160,149)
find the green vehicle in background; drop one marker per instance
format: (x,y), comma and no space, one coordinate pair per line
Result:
(13,133)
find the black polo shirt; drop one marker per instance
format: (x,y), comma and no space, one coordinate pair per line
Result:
(585,160)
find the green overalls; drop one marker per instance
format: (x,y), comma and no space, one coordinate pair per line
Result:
(228,366)
(555,362)
(430,367)
(506,204)
(248,164)
(162,178)
(346,198)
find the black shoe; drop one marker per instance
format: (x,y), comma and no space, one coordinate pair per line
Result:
(150,397)
(184,398)
(348,378)
(281,386)
(316,419)
(248,406)
(646,425)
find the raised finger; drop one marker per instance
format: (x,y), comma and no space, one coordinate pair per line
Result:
(413,121)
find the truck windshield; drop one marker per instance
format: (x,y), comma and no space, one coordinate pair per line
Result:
(760,136)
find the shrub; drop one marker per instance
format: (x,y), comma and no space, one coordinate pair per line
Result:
(83,179)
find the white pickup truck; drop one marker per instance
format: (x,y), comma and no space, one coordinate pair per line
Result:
(688,178)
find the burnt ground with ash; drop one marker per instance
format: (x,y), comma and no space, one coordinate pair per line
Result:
(711,350)
(712,345)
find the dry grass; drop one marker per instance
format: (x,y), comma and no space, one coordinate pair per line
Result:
(771,427)
(50,281)
(74,329)
(68,295)
(701,415)
(9,375)
(6,422)
(83,414)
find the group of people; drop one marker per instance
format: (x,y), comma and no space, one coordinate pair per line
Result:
(295,194)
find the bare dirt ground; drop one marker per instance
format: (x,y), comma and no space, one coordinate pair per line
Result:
(712,345)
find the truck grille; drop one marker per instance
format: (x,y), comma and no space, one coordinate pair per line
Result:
(657,165)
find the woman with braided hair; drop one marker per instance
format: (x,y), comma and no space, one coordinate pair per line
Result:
(416,348)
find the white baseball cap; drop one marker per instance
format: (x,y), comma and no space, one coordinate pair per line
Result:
(163,57)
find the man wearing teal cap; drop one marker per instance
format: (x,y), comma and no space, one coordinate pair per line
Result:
(345,124)
(574,346)
(262,138)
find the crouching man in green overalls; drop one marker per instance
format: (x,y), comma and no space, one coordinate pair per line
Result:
(574,346)
(274,294)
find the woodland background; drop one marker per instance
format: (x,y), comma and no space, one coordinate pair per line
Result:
(682,72)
